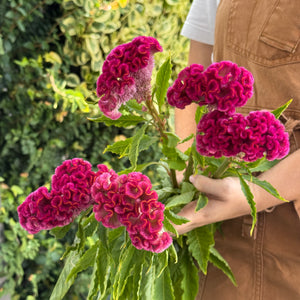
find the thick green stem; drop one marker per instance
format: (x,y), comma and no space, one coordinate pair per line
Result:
(189,169)
(222,168)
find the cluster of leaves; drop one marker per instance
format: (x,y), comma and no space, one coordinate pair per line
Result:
(50,55)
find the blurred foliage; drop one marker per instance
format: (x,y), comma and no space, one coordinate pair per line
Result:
(51,52)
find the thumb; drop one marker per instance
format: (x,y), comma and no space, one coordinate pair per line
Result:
(207,185)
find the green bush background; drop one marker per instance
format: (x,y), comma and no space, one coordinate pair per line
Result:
(51,52)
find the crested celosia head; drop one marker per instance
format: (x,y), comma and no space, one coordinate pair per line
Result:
(70,195)
(227,86)
(222,86)
(126,74)
(219,134)
(265,136)
(187,88)
(251,137)
(129,200)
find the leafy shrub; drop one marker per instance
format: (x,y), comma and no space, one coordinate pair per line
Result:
(50,55)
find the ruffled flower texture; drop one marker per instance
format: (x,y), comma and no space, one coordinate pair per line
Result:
(70,195)
(251,137)
(222,86)
(129,201)
(126,74)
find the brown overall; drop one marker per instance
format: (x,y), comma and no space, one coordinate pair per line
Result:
(263,36)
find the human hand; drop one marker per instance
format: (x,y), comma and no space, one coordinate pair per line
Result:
(226,201)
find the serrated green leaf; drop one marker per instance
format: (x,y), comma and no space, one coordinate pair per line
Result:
(174,218)
(85,261)
(60,232)
(187,187)
(201,202)
(200,240)
(250,198)
(162,82)
(161,262)
(262,165)
(265,185)
(277,112)
(169,227)
(218,261)
(123,121)
(187,139)
(147,283)
(62,285)
(176,164)
(177,200)
(134,149)
(123,271)
(163,288)
(173,139)
(190,278)
(121,147)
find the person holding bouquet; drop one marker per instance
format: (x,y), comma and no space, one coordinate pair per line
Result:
(262,36)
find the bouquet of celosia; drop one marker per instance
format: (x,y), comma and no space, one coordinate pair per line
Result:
(132,252)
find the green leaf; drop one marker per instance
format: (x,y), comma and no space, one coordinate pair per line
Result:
(250,198)
(200,240)
(162,82)
(173,139)
(123,121)
(277,112)
(62,285)
(218,261)
(190,279)
(60,232)
(174,218)
(121,147)
(161,262)
(201,110)
(134,149)
(266,186)
(201,202)
(163,289)
(169,227)
(85,261)
(183,198)
(126,263)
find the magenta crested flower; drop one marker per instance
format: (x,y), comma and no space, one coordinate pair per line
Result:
(70,195)
(126,74)
(36,212)
(265,135)
(187,88)
(129,200)
(220,134)
(105,192)
(227,86)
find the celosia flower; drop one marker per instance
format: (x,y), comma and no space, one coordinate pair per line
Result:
(187,88)
(227,86)
(126,74)
(70,195)
(219,134)
(251,137)
(129,200)
(265,135)
(36,212)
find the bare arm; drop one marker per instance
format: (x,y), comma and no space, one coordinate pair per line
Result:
(184,119)
(227,201)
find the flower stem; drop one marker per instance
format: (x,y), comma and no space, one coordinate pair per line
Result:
(189,169)
(222,168)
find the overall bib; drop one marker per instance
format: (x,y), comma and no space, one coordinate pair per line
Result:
(262,36)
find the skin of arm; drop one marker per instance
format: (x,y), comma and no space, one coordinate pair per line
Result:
(199,54)
(227,201)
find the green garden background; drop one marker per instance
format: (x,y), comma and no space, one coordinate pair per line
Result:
(51,52)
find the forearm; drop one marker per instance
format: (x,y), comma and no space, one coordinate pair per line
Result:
(184,118)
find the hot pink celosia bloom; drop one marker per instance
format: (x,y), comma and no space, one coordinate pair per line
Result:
(126,74)
(187,88)
(70,195)
(265,136)
(227,86)
(129,200)
(252,137)
(220,134)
